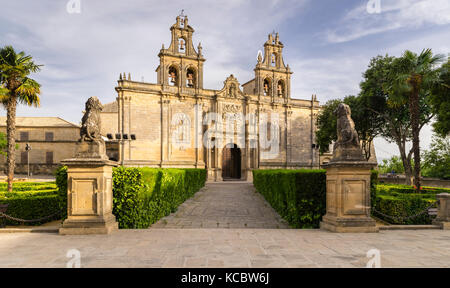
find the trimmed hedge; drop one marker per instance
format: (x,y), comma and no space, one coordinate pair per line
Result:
(299,196)
(403,206)
(142,196)
(31,200)
(406,189)
(401,201)
(61,183)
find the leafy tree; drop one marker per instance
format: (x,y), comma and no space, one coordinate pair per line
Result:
(436,161)
(16,87)
(382,94)
(441,101)
(393,164)
(326,125)
(411,80)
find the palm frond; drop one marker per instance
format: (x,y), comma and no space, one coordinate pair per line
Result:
(28,93)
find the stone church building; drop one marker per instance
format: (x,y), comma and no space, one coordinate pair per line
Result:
(177,122)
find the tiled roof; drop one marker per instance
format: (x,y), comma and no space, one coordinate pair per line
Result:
(39,122)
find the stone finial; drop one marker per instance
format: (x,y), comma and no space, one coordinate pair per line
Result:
(199,48)
(120,76)
(347,146)
(129,76)
(259,58)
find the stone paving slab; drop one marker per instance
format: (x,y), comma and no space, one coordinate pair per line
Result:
(228,248)
(224,205)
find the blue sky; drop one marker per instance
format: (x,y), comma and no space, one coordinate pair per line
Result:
(328,43)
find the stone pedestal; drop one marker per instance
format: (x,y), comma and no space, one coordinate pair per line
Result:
(89,197)
(348,197)
(443,216)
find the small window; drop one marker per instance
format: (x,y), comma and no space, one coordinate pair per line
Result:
(48,136)
(24,136)
(49,157)
(23,157)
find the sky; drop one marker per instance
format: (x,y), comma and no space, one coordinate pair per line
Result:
(328,43)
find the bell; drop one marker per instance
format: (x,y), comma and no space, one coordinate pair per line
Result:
(266,88)
(172,77)
(190,79)
(181,44)
(280,90)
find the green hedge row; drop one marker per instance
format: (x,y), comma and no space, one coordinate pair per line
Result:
(406,189)
(403,206)
(142,196)
(26,203)
(402,201)
(28,186)
(299,196)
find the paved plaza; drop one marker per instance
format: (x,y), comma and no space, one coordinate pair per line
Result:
(216,210)
(231,204)
(227,248)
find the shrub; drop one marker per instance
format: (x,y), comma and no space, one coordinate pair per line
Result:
(26,203)
(142,196)
(403,206)
(299,196)
(373,186)
(406,189)
(61,183)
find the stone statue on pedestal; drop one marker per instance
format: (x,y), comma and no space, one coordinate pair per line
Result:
(348,181)
(347,147)
(89,180)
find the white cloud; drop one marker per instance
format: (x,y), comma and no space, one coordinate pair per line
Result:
(328,78)
(84,53)
(408,14)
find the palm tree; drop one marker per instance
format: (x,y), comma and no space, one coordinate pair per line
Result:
(15,86)
(415,76)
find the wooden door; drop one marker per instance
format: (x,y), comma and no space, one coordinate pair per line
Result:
(231,162)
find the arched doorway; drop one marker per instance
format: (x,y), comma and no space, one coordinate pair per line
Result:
(231,162)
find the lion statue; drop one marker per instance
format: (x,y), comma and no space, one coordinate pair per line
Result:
(346,131)
(347,147)
(90,123)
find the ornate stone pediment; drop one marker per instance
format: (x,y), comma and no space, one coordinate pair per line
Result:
(231,89)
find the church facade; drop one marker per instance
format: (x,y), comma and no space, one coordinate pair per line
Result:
(176,122)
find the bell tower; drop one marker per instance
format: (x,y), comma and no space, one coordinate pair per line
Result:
(272,76)
(181,65)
